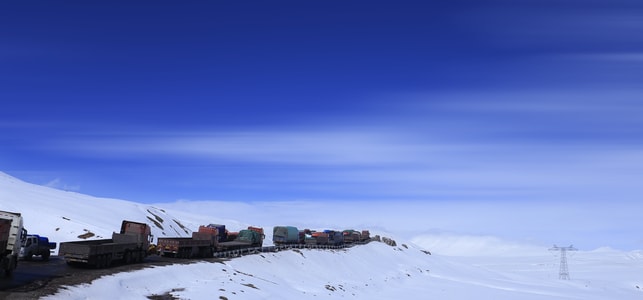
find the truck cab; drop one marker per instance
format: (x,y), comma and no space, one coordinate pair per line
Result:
(36,245)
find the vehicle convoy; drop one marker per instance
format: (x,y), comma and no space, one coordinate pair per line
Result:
(290,235)
(36,245)
(11,235)
(208,240)
(128,246)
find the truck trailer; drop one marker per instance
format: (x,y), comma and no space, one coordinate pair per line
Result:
(282,235)
(203,243)
(247,238)
(11,236)
(129,246)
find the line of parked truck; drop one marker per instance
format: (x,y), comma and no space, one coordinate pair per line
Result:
(128,246)
(215,238)
(285,235)
(134,242)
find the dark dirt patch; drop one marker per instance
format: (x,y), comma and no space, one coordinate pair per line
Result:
(86,235)
(299,251)
(250,285)
(156,223)
(181,225)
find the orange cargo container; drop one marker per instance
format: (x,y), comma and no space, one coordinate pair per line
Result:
(208,230)
(321,237)
(232,235)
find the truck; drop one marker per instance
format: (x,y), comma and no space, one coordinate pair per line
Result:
(36,245)
(129,246)
(11,235)
(247,238)
(282,235)
(351,236)
(203,243)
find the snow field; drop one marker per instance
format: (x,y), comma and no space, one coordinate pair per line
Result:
(378,271)
(361,272)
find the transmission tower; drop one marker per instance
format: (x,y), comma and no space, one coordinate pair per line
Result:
(563,273)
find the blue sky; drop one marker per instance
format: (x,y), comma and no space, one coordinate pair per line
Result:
(155,101)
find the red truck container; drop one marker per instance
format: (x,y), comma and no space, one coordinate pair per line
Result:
(321,238)
(208,230)
(351,236)
(231,236)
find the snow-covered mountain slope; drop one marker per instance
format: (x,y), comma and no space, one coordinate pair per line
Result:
(67,216)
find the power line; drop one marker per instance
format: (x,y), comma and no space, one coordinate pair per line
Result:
(563,272)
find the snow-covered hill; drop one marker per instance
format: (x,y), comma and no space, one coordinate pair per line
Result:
(476,267)
(66,216)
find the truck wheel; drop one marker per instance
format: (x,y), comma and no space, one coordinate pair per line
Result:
(12,265)
(28,256)
(103,261)
(127,258)
(106,260)
(45,256)
(99,262)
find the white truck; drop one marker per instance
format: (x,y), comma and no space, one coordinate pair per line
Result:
(11,236)
(36,245)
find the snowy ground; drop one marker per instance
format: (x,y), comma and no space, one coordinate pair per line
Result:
(378,271)
(460,267)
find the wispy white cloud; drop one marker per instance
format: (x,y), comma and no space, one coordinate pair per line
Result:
(502,145)
(633,57)
(554,104)
(304,147)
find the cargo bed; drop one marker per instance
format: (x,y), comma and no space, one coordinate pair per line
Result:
(185,247)
(99,252)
